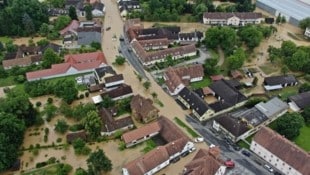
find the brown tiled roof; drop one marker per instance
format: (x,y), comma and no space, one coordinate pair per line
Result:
(236,74)
(16,62)
(172,80)
(72,27)
(142,106)
(224,15)
(284,149)
(110,124)
(141,132)
(80,62)
(119,91)
(147,162)
(216,77)
(113,78)
(74,135)
(154,42)
(169,131)
(202,164)
(96,88)
(207,91)
(176,146)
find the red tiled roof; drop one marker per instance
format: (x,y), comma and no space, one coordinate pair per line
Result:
(79,62)
(216,77)
(72,27)
(284,149)
(141,132)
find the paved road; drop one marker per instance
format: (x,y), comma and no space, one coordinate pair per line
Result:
(244,165)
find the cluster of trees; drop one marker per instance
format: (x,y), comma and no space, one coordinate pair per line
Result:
(65,89)
(50,30)
(16,113)
(296,58)
(303,24)
(22,18)
(238,6)
(289,125)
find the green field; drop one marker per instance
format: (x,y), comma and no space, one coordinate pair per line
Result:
(4,39)
(285,92)
(200,84)
(48,170)
(303,140)
(183,125)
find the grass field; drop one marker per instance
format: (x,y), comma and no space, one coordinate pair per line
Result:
(4,39)
(183,125)
(48,170)
(285,92)
(242,144)
(200,84)
(269,68)
(303,140)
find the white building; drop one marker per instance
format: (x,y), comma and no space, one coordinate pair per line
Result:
(280,152)
(233,19)
(307,32)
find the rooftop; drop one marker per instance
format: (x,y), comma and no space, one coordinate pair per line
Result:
(302,100)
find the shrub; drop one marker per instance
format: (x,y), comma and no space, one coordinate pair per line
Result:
(50,100)
(41,164)
(122,146)
(59,140)
(86,94)
(38,104)
(51,160)
(81,96)
(76,127)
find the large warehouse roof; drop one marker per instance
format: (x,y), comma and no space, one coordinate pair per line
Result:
(298,9)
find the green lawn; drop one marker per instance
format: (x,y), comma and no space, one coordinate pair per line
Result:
(4,39)
(242,144)
(48,170)
(269,68)
(183,125)
(303,140)
(200,84)
(8,81)
(285,92)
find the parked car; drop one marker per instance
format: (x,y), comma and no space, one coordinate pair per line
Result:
(108,28)
(277,173)
(246,153)
(268,167)
(175,160)
(193,149)
(198,140)
(185,153)
(229,163)
(236,147)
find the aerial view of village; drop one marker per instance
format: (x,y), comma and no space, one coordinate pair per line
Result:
(163,87)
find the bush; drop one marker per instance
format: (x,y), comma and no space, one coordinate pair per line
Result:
(59,140)
(38,104)
(50,100)
(45,138)
(122,146)
(253,101)
(51,160)
(41,164)
(81,96)
(76,127)
(86,94)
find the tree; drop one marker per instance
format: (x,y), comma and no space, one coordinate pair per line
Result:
(1,47)
(288,48)
(252,36)
(119,60)
(66,89)
(210,66)
(61,126)
(279,18)
(154,95)
(88,12)
(56,3)
(43,42)
(298,60)
(72,13)
(11,137)
(80,147)
(80,171)
(289,125)
(212,39)
(95,45)
(44,29)
(236,60)
(10,47)
(306,115)
(199,10)
(284,69)
(229,39)
(80,111)
(253,101)
(50,111)
(49,58)
(107,102)
(303,24)
(92,124)
(304,87)
(98,162)
(28,24)
(147,85)
(61,22)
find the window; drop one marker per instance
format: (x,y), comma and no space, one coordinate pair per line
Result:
(289,168)
(277,160)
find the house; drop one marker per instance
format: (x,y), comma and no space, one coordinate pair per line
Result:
(89,32)
(232,18)
(114,80)
(150,163)
(143,109)
(125,7)
(199,107)
(70,28)
(280,152)
(55,47)
(300,101)
(77,4)
(155,44)
(122,91)
(73,64)
(177,78)
(25,56)
(205,162)
(98,9)
(228,96)
(190,38)
(279,82)
(75,135)
(307,32)
(111,125)
(243,123)
(216,77)
(102,72)
(57,11)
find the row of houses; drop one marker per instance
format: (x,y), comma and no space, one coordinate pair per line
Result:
(232,18)
(151,45)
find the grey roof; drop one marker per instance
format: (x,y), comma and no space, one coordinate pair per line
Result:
(294,8)
(114,78)
(302,100)
(272,107)
(196,103)
(233,125)
(279,80)
(101,71)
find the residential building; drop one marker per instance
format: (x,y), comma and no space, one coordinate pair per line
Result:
(280,152)
(199,107)
(155,44)
(143,109)
(73,64)
(293,10)
(70,28)
(114,80)
(232,18)
(111,125)
(57,11)
(190,38)
(300,101)
(279,82)
(89,32)
(177,78)
(98,9)
(127,6)
(162,156)
(307,32)
(205,162)
(240,124)
(102,72)
(122,91)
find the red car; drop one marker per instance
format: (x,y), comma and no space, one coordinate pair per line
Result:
(229,164)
